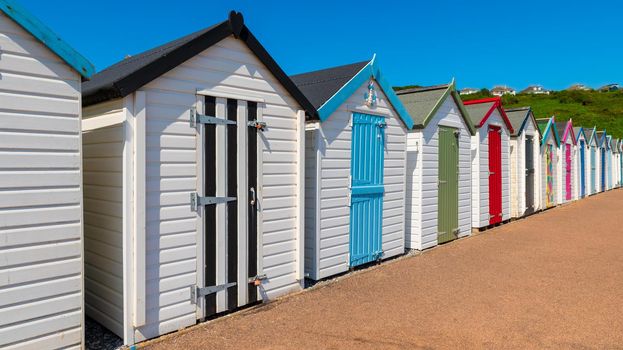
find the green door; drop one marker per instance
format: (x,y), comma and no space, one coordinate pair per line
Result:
(448,185)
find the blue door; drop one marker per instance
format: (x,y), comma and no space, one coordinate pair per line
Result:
(582,171)
(593,186)
(603,169)
(367,190)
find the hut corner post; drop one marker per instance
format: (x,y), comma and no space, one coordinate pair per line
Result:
(300,238)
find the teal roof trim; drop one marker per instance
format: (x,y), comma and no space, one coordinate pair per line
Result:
(370,70)
(45,35)
(550,126)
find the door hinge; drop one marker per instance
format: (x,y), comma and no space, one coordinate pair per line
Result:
(257,124)
(258,279)
(456,231)
(196,200)
(196,118)
(196,292)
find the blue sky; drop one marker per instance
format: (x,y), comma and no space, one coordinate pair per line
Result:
(481,44)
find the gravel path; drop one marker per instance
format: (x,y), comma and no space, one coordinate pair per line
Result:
(551,281)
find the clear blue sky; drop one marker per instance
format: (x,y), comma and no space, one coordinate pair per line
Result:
(517,43)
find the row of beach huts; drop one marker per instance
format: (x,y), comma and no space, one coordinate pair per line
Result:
(198,177)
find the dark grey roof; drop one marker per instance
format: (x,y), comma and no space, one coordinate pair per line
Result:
(319,86)
(129,75)
(561,126)
(419,102)
(517,117)
(478,111)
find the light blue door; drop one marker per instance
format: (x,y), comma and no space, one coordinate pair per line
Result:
(582,170)
(366,193)
(593,186)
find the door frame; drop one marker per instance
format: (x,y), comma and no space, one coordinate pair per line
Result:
(497,129)
(456,132)
(352,112)
(529,138)
(221,96)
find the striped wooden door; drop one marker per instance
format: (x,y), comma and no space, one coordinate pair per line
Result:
(549,176)
(367,189)
(529,149)
(448,185)
(495,175)
(568,193)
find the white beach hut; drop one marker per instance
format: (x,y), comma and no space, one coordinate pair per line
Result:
(566,166)
(550,143)
(41,289)
(582,164)
(193,163)
(525,165)
(438,204)
(356,169)
(593,160)
(490,156)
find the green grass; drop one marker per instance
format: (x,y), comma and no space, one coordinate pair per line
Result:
(587,108)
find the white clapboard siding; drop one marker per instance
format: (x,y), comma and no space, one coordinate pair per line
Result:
(311,179)
(423,174)
(334,150)
(40,195)
(480,172)
(172,168)
(103,222)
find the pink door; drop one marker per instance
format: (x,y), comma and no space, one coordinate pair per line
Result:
(568,171)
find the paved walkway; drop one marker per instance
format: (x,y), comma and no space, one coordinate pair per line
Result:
(551,281)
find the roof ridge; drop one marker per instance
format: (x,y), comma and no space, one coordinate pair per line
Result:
(422,89)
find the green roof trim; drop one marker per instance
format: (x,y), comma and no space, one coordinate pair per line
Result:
(449,91)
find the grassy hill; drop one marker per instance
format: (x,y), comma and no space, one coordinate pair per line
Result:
(587,108)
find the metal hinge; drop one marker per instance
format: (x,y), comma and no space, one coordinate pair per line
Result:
(258,279)
(257,124)
(196,118)
(456,231)
(196,200)
(196,292)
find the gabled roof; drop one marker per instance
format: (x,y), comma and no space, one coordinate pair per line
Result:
(129,75)
(601,138)
(579,131)
(519,119)
(546,125)
(329,88)
(45,35)
(615,146)
(422,103)
(565,128)
(590,134)
(480,110)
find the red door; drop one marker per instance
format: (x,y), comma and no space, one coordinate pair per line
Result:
(495,175)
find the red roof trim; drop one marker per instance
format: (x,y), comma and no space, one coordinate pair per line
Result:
(498,105)
(569,128)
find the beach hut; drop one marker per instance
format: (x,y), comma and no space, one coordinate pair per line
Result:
(602,146)
(356,169)
(193,158)
(525,167)
(582,168)
(438,203)
(41,280)
(490,162)
(566,154)
(609,161)
(550,143)
(593,176)
(616,154)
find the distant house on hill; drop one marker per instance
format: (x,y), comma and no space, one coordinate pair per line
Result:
(502,90)
(578,87)
(468,91)
(535,89)
(610,87)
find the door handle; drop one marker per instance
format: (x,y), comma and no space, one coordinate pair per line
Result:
(252,190)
